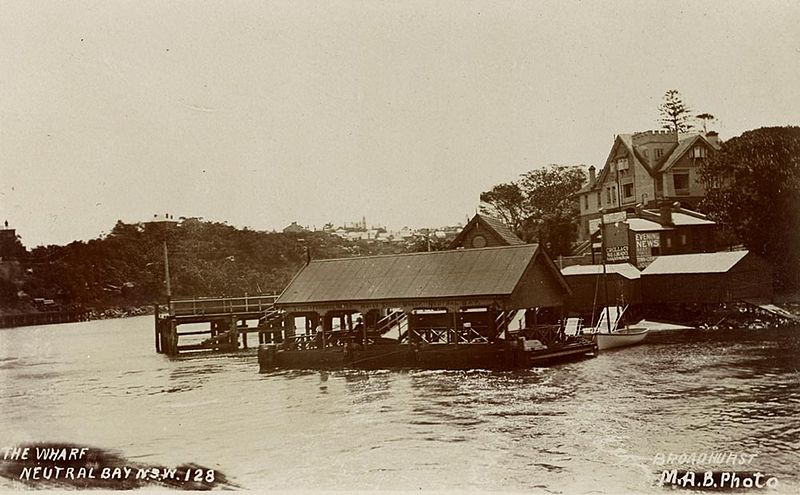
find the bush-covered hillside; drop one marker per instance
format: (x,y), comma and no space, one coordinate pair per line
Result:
(126,267)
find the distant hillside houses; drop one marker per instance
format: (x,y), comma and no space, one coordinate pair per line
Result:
(360,231)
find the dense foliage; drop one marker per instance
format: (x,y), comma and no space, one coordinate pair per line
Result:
(540,206)
(126,268)
(753,190)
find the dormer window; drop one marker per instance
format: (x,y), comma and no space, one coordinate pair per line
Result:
(659,152)
(698,152)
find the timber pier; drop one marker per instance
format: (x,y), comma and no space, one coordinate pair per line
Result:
(228,321)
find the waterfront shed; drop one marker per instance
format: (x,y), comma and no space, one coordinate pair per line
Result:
(707,278)
(590,285)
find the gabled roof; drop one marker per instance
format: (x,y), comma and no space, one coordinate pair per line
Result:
(636,158)
(685,143)
(694,263)
(624,269)
(454,275)
(504,234)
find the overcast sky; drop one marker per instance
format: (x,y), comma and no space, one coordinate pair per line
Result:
(261,113)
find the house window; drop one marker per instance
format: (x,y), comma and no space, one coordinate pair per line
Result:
(627,190)
(622,164)
(608,195)
(659,152)
(614,193)
(680,180)
(646,153)
(683,239)
(586,202)
(669,242)
(599,199)
(698,152)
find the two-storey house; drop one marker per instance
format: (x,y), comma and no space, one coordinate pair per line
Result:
(648,168)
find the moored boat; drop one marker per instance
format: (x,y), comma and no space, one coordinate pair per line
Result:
(609,334)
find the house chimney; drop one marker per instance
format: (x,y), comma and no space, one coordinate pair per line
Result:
(592,176)
(666,215)
(713,138)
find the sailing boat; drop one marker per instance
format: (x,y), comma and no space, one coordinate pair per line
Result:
(610,334)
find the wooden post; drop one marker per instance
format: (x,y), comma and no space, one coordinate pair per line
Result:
(157,332)
(455,323)
(234,328)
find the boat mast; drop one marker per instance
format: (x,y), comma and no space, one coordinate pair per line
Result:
(603,261)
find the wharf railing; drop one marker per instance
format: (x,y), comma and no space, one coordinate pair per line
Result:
(212,306)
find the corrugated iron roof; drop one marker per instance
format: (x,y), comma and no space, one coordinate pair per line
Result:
(644,225)
(439,274)
(694,263)
(679,218)
(624,269)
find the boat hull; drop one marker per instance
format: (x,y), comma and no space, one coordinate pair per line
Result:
(621,338)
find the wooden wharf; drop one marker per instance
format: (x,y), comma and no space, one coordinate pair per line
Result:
(229,323)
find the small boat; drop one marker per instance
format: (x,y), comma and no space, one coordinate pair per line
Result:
(610,334)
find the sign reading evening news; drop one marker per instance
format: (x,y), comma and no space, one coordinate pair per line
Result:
(647,240)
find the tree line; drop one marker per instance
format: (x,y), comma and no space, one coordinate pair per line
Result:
(126,267)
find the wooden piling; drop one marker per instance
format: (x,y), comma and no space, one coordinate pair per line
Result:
(157,329)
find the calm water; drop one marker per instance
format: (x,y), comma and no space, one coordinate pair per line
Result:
(592,426)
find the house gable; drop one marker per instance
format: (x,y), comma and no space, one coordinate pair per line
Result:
(485,231)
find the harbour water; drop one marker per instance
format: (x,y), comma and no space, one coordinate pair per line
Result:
(592,426)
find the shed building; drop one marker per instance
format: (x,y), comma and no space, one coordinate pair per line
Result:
(592,289)
(707,278)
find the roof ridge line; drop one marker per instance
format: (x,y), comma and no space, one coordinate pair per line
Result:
(420,253)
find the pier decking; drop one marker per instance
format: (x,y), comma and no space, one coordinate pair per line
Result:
(229,319)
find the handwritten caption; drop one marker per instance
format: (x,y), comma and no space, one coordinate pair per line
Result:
(704,479)
(57,465)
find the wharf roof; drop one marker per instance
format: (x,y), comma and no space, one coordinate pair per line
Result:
(504,234)
(463,274)
(694,263)
(624,269)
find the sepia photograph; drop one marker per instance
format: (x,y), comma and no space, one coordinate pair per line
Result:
(408,246)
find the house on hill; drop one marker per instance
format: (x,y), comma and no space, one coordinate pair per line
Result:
(294,229)
(650,168)
(485,231)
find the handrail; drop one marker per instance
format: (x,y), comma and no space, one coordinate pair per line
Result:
(221,305)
